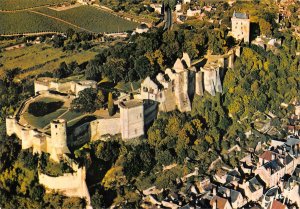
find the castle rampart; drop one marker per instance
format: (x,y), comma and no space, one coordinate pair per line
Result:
(70,184)
(70,87)
(105,126)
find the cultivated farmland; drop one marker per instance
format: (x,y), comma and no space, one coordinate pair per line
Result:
(27,22)
(41,58)
(91,18)
(23,4)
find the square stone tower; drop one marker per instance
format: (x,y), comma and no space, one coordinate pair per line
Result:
(131,118)
(240,26)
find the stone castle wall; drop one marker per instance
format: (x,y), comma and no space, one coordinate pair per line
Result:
(102,127)
(63,87)
(70,184)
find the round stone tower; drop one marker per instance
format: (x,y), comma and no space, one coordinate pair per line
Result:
(26,138)
(10,125)
(58,137)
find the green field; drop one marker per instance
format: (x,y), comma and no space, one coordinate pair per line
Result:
(86,17)
(41,58)
(27,22)
(91,18)
(23,4)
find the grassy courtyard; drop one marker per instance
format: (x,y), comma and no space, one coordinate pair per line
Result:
(42,121)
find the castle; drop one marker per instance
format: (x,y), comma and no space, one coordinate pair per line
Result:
(175,88)
(240,26)
(168,91)
(70,87)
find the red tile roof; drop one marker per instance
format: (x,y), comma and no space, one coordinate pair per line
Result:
(221,202)
(267,155)
(277,205)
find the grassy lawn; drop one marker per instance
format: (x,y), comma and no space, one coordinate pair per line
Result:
(92,19)
(41,122)
(27,22)
(41,58)
(22,4)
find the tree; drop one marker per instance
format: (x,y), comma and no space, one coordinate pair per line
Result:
(142,67)
(37,192)
(70,32)
(97,201)
(62,72)
(86,101)
(111,108)
(265,27)
(58,41)
(93,71)
(101,99)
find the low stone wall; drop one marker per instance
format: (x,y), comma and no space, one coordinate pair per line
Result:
(107,126)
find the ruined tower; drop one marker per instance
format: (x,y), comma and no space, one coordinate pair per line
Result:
(58,145)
